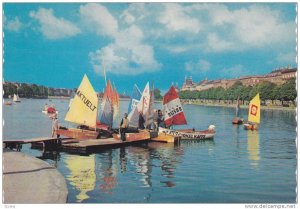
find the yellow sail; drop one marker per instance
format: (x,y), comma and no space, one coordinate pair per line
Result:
(83,109)
(254,110)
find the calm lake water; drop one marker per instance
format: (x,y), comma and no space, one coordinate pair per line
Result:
(238,166)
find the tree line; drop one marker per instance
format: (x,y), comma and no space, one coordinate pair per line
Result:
(267,90)
(28,90)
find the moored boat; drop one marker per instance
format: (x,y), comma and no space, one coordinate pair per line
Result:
(174,115)
(237,121)
(131,137)
(190,134)
(83,111)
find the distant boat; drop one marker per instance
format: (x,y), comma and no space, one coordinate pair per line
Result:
(174,115)
(8,103)
(16,98)
(237,120)
(253,114)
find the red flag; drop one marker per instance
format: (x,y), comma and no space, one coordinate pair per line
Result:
(173,111)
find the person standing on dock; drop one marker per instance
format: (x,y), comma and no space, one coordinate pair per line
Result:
(55,125)
(160,119)
(123,127)
(237,111)
(141,121)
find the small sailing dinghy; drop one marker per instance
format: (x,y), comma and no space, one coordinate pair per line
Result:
(16,98)
(83,111)
(253,114)
(137,106)
(174,115)
(237,120)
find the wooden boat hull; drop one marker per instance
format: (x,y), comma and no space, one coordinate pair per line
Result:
(78,133)
(237,121)
(140,136)
(8,103)
(252,127)
(46,112)
(167,138)
(189,134)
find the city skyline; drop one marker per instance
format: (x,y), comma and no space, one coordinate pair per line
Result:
(56,44)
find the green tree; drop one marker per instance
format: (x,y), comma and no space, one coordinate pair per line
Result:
(157,95)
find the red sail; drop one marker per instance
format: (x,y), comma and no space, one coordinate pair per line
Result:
(173,111)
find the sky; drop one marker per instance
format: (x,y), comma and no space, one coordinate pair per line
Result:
(55,44)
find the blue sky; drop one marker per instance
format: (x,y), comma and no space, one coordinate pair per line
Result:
(55,44)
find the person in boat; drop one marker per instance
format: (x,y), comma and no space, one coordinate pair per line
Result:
(55,125)
(124,126)
(160,119)
(46,107)
(51,109)
(141,121)
(155,116)
(237,110)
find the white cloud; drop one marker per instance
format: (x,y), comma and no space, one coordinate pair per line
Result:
(13,25)
(175,18)
(216,28)
(53,27)
(201,66)
(97,18)
(235,71)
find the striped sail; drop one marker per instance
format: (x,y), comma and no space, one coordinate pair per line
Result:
(107,106)
(173,111)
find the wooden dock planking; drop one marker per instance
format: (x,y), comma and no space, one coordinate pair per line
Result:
(88,145)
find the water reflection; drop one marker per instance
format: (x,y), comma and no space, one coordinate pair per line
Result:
(82,174)
(253,147)
(54,156)
(169,155)
(107,168)
(139,157)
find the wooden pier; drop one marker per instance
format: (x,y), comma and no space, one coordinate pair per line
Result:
(82,146)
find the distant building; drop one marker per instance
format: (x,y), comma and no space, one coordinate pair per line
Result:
(188,84)
(277,76)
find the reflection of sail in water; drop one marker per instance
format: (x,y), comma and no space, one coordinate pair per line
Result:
(108,172)
(253,147)
(169,156)
(82,174)
(139,157)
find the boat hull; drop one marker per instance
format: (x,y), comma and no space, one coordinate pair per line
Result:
(237,121)
(252,127)
(78,133)
(189,134)
(131,137)
(167,138)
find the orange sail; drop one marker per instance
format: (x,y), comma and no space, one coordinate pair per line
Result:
(116,105)
(107,106)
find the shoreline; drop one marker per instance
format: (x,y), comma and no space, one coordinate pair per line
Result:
(242,106)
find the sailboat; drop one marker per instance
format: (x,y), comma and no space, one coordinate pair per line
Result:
(174,115)
(253,114)
(16,98)
(83,111)
(237,120)
(141,107)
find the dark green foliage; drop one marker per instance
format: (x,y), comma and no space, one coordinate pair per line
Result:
(267,91)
